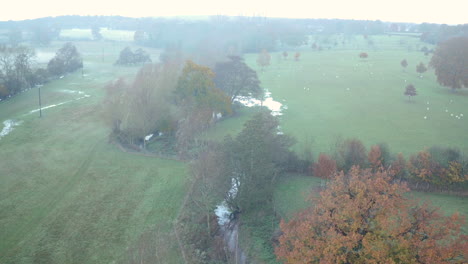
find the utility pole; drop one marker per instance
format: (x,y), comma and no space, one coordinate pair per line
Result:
(40,106)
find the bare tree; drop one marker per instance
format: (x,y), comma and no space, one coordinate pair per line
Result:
(15,68)
(263,59)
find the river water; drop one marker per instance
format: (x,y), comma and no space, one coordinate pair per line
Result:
(229,225)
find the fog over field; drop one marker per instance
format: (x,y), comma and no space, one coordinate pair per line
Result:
(247,132)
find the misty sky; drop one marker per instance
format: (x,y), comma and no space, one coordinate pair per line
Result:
(444,12)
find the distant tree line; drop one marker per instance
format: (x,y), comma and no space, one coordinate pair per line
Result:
(435,33)
(128,57)
(245,34)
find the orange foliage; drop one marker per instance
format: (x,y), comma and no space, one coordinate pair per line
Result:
(365,218)
(297,55)
(325,167)
(454,173)
(398,167)
(422,166)
(263,59)
(375,157)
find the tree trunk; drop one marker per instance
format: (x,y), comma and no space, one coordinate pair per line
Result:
(208,223)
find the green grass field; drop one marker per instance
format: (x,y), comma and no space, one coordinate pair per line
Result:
(107,34)
(66,194)
(334,93)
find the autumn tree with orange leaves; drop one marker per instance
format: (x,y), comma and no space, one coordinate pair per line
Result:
(325,167)
(436,166)
(363,55)
(263,59)
(398,167)
(375,157)
(297,56)
(364,217)
(199,99)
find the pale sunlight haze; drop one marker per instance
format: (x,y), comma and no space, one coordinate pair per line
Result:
(417,11)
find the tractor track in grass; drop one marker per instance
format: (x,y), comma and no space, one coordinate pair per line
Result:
(26,230)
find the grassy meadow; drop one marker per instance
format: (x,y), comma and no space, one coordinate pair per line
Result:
(107,34)
(66,194)
(334,94)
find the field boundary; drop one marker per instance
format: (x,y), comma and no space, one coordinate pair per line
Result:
(176,220)
(144,153)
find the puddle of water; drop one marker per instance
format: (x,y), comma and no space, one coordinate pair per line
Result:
(274,106)
(71,91)
(47,107)
(8,126)
(44,56)
(62,103)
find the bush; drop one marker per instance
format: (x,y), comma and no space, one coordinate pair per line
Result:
(67,59)
(40,76)
(351,152)
(3,91)
(127,56)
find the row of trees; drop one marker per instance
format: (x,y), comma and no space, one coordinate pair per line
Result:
(17,70)
(420,68)
(437,167)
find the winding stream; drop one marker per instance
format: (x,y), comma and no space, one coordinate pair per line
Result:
(229,226)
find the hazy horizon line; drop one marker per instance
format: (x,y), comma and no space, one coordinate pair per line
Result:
(203,17)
